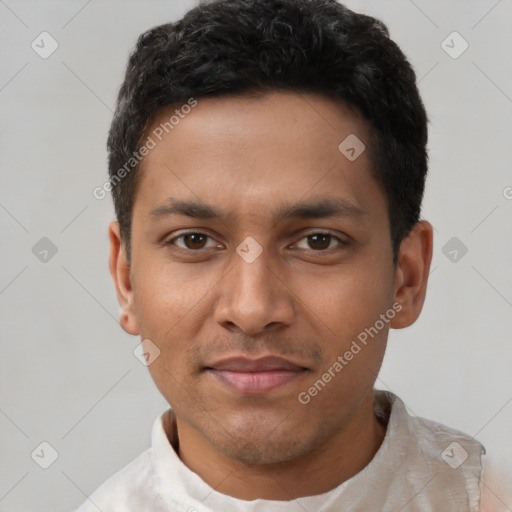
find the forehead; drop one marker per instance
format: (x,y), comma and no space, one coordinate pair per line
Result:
(249,153)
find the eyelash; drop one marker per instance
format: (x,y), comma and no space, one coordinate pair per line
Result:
(341,242)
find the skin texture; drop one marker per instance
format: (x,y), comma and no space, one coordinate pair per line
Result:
(305,299)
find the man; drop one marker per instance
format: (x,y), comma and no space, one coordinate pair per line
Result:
(267,161)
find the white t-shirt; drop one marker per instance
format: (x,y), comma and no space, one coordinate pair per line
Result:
(421,466)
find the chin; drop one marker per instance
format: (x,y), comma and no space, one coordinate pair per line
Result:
(255,442)
(263,451)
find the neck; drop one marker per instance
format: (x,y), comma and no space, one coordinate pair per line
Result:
(327,466)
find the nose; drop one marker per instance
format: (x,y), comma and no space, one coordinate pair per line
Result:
(253,297)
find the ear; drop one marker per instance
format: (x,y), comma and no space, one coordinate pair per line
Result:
(120,272)
(413,268)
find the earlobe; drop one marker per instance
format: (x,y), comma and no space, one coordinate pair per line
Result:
(120,272)
(415,256)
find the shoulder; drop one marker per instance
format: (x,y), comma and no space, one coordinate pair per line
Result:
(429,437)
(125,490)
(445,463)
(446,447)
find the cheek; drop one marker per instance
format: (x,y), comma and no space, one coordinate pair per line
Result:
(170,311)
(346,300)
(172,304)
(347,307)
(168,297)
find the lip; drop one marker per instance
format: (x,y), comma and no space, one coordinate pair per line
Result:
(255,376)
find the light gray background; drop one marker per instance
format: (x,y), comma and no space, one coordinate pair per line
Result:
(68,373)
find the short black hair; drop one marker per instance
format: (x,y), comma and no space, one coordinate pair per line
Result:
(236,47)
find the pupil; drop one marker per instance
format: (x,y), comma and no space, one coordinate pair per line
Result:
(195,240)
(320,240)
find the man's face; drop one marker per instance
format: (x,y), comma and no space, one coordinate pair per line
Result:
(217,309)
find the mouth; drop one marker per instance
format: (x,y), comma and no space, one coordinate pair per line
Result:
(255,376)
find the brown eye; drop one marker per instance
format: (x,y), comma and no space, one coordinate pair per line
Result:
(319,241)
(192,241)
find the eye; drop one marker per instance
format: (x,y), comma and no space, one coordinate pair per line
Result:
(320,241)
(192,241)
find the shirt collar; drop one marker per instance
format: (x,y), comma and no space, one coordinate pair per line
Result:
(409,457)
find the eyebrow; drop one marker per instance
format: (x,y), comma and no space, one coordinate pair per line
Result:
(316,209)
